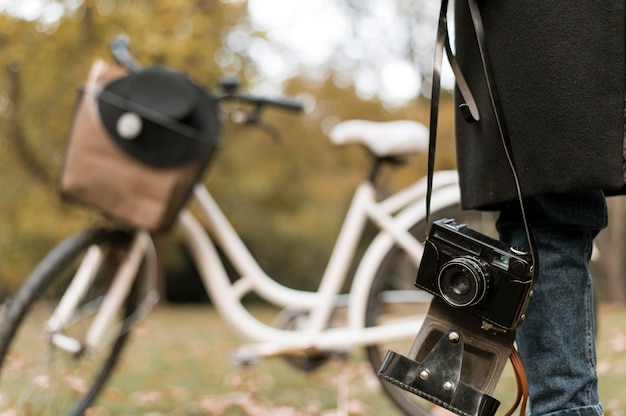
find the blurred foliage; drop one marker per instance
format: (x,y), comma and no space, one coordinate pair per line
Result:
(286,199)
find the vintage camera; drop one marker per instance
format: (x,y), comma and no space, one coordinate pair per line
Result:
(481,289)
(469,270)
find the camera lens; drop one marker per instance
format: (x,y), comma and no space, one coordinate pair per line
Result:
(460,284)
(463,281)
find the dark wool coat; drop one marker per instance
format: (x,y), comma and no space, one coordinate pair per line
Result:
(559,67)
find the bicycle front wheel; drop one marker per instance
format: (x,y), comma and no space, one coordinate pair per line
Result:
(387,302)
(47,368)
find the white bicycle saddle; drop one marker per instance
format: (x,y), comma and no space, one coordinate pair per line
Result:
(383,138)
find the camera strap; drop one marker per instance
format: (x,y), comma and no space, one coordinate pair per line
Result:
(470,112)
(469,109)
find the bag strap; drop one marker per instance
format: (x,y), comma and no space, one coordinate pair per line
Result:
(521,399)
(147,113)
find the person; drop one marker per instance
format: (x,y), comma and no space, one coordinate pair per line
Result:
(559,69)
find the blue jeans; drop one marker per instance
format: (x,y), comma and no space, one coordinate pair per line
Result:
(557,339)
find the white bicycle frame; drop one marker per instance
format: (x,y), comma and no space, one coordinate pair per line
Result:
(141,248)
(394,216)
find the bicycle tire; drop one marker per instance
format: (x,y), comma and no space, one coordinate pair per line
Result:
(59,390)
(398,272)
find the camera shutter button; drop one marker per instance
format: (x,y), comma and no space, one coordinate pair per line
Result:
(519,251)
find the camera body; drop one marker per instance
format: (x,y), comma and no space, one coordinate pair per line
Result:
(481,289)
(474,272)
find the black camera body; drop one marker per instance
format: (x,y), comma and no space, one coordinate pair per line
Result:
(474,272)
(481,289)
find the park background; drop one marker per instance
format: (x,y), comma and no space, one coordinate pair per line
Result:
(343,59)
(364,59)
(286,198)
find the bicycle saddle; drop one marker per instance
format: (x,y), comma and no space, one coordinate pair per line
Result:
(383,138)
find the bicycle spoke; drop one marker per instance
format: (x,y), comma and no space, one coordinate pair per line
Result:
(55,373)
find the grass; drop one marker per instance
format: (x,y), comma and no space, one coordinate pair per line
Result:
(612,359)
(178,364)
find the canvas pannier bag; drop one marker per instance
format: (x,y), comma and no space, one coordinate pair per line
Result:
(138,143)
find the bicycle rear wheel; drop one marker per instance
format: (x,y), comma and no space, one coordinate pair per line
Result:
(39,375)
(396,275)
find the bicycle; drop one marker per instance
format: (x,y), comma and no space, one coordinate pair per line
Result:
(83,300)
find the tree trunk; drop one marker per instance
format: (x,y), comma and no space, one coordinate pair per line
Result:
(611,246)
(15,133)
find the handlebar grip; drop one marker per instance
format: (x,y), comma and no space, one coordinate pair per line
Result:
(283,103)
(119,49)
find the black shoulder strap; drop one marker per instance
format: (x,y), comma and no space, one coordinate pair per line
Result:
(469,109)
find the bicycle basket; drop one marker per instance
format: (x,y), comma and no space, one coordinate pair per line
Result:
(138,144)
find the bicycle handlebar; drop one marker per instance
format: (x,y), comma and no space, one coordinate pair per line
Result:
(119,49)
(282,103)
